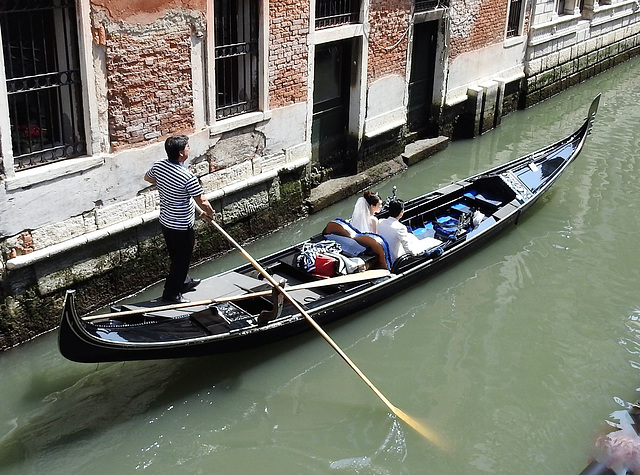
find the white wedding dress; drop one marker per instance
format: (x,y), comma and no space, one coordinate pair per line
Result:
(362,219)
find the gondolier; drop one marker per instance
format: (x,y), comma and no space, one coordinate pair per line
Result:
(176,186)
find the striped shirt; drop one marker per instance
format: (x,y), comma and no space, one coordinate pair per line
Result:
(176,185)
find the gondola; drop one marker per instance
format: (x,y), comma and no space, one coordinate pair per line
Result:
(238,309)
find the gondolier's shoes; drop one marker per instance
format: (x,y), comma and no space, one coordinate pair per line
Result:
(175,299)
(190,285)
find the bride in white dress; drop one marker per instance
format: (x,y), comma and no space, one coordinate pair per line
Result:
(363,218)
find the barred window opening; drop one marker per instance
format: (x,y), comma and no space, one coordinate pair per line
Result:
(42,69)
(336,12)
(513,22)
(236,53)
(426,5)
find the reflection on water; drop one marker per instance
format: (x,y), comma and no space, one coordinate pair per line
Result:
(514,356)
(620,449)
(393,449)
(103,397)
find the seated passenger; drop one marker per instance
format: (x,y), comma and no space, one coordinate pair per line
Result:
(400,240)
(363,218)
(374,243)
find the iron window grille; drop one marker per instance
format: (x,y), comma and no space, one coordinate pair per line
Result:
(236,57)
(426,5)
(336,12)
(44,86)
(513,22)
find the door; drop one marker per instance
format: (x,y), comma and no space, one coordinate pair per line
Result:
(331,97)
(423,63)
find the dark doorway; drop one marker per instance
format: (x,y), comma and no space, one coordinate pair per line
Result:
(423,63)
(331,86)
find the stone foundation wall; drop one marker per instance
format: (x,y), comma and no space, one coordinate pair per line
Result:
(126,259)
(568,51)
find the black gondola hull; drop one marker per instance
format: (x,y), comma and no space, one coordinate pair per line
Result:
(502,194)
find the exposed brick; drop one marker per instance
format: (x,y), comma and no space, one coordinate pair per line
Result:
(388,39)
(288,52)
(476,24)
(149,79)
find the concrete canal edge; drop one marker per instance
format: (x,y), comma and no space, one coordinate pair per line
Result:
(126,258)
(337,189)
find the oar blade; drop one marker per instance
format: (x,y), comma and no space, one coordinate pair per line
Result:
(421,429)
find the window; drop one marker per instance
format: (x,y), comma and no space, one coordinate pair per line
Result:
(426,5)
(42,70)
(236,56)
(336,12)
(513,21)
(572,7)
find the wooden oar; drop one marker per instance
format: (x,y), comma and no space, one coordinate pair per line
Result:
(342,279)
(424,431)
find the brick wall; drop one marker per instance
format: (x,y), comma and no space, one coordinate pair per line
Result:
(288,58)
(476,24)
(388,38)
(149,80)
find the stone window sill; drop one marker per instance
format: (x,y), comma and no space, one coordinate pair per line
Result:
(34,176)
(226,125)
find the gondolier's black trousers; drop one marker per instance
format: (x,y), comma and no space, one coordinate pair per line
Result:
(180,246)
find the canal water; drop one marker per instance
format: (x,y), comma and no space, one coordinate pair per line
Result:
(517,357)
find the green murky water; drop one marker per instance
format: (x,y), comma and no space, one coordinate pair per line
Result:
(515,357)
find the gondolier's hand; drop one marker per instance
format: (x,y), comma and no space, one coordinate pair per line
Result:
(207,217)
(204,208)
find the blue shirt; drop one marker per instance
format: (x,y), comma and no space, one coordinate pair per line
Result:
(176,186)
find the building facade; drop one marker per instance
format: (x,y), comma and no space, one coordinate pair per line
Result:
(273,94)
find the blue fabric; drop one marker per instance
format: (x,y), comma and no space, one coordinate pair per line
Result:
(307,258)
(347,225)
(422,233)
(382,241)
(486,197)
(349,246)
(446,227)
(461,207)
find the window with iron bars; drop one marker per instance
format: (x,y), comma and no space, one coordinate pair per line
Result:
(426,5)
(336,12)
(236,53)
(42,70)
(513,21)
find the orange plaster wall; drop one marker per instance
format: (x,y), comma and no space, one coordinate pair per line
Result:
(144,11)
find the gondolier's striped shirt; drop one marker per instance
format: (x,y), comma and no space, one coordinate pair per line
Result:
(176,185)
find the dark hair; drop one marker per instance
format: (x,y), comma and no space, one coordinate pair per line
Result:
(395,208)
(372,198)
(174,145)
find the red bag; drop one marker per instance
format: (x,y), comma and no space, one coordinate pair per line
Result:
(326,266)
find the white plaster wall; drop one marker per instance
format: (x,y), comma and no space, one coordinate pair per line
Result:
(285,129)
(503,60)
(386,107)
(105,179)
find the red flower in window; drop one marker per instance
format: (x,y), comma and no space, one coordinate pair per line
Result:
(30,131)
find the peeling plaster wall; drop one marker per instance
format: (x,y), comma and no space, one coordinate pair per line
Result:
(478,48)
(144,11)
